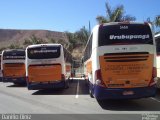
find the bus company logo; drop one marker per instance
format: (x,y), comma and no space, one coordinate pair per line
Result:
(14,57)
(130,37)
(150,117)
(43,51)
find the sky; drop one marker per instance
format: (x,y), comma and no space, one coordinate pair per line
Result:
(67,15)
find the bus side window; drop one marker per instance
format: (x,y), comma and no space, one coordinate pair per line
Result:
(88,50)
(90,46)
(158,45)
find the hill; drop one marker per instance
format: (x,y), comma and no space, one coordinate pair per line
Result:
(10,38)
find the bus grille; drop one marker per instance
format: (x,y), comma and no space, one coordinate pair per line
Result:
(126,57)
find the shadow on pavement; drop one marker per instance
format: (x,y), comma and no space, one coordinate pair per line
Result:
(72,90)
(158,95)
(17,85)
(0,79)
(146,104)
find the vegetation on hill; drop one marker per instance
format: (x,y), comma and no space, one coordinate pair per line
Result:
(75,42)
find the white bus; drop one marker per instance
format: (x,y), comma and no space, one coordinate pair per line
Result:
(46,66)
(119,61)
(13,66)
(157,38)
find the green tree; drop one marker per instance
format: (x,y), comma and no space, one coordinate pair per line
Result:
(51,40)
(77,39)
(62,42)
(71,41)
(82,35)
(2,48)
(114,15)
(14,46)
(27,42)
(157,20)
(155,23)
(33,40)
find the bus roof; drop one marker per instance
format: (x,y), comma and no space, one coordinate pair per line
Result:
(116,23)
(10,50)
(38,45)
(125,22)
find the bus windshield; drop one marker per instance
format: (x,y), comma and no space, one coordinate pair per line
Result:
(125,34)
(14,54)
(44,52)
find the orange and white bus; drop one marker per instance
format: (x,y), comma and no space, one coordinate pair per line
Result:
(68,63)
(13,66)
(157,39)
(46,66)
(120,61)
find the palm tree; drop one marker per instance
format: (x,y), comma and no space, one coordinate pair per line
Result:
(82,35)
(114,15)
(15,46)
(157,24)
(78,38)
(157,21)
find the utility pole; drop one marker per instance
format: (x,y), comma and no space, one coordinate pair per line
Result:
(89,27)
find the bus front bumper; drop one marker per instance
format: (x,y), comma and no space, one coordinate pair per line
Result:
(19,80)
(124,93)
(45,85)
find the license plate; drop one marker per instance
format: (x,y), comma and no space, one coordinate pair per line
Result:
(128,93)
(14,79)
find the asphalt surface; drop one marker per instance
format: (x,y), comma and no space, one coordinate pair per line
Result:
(15,99)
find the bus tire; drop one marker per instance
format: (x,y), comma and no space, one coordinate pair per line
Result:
(91,93)
(21,84)
(87,82)
(66,84)
(158,83)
